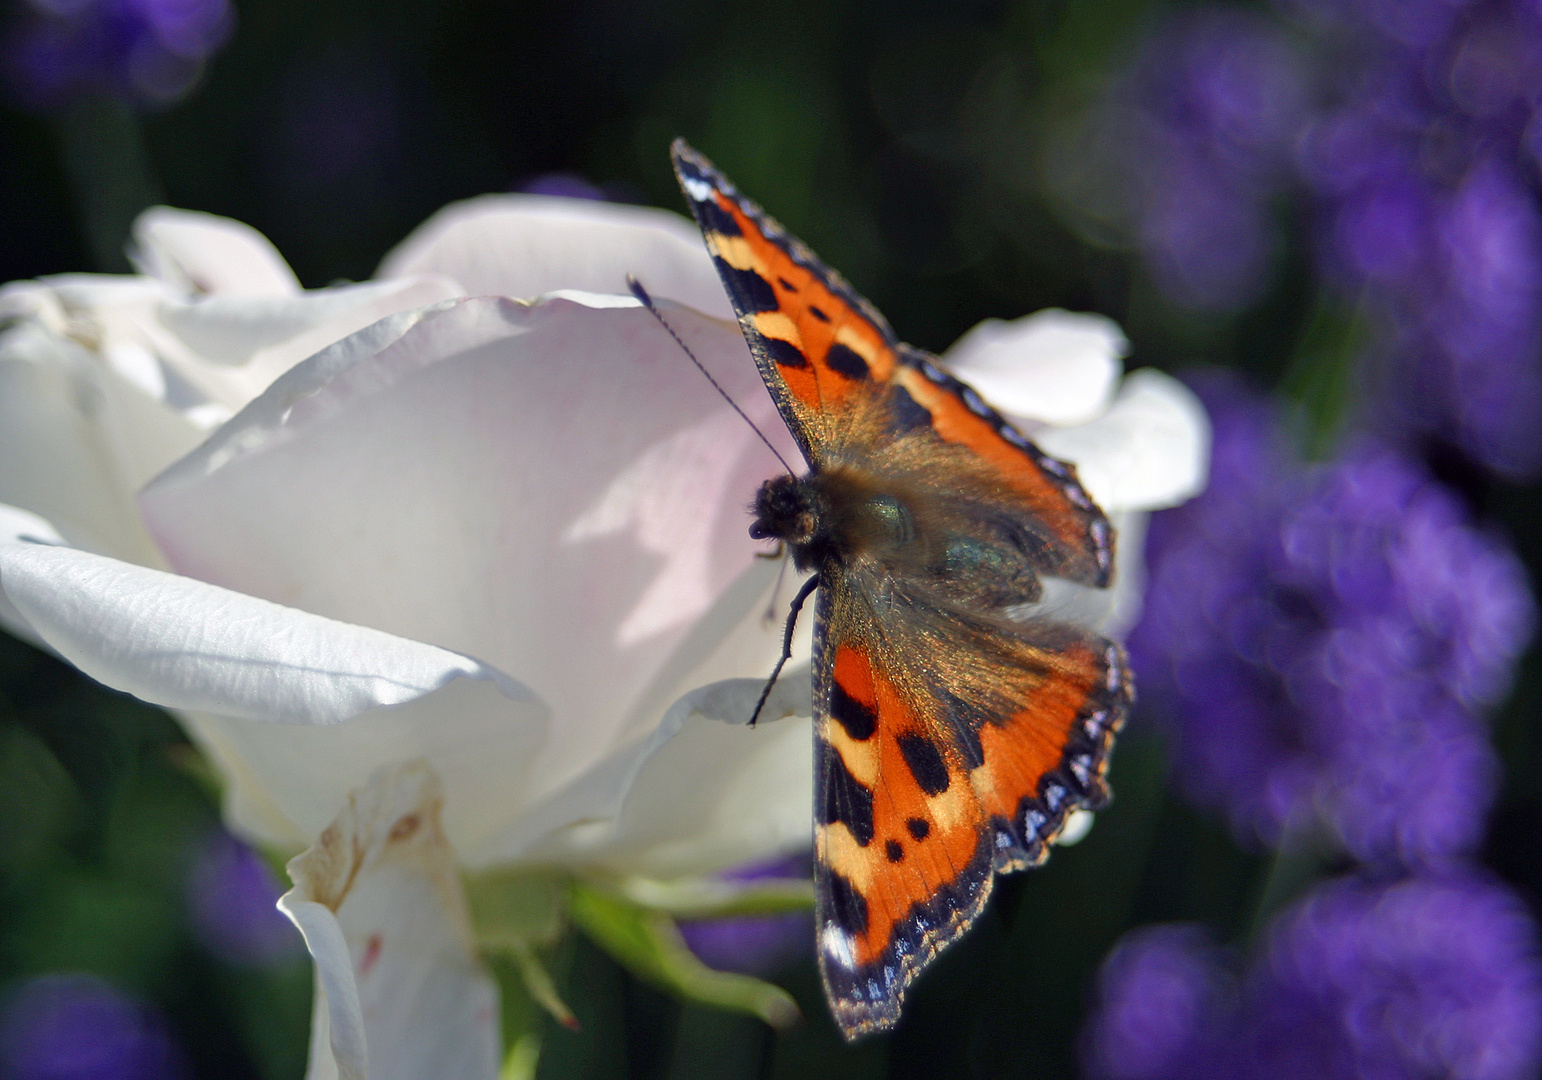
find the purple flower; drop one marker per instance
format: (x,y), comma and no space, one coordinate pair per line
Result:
(1160,996)
(755,945)
(231,896)
(1320,644)
(1214,102)
(148,51)
(76,1027)
(1427,976)
(1428,215)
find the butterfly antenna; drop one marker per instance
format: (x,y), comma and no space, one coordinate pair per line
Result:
(647,301)
(792,623)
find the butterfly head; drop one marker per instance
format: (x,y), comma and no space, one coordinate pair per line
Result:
(784,510)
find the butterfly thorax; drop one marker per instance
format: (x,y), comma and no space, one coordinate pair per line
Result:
(834,516)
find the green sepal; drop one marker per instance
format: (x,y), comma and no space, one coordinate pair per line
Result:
(714,898)
(512,913)
(649,944)
(513,909)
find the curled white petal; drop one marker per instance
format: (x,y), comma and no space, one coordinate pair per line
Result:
(400,992)
(1150,450)
(209,254)
(185,644)
(529,245)
(1053,367)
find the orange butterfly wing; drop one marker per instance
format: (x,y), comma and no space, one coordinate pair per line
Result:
(951,741)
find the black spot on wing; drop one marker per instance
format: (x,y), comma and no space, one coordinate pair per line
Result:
(848,907)
(859,720)
(785,353)
(784,283)
(925,762)
(845,799)
(714,218)
(750,291)
(918,828)
(818,314)
(845,361)
(894,850)
(905,413)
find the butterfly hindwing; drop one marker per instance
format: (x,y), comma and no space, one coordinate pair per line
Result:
(949,748)
(828,357)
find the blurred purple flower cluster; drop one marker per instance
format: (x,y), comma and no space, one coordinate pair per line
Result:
(76,1027)
(146,51)
(1319,644)
(1425,178)
(1427,976)
(1413,133)
(1217,98)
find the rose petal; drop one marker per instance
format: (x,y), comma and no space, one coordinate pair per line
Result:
(431,477)
(400,992)
(527,245)
(1054,366)
(18,526)
(210,254)
(232,348)
(1114,610)
(76,440)
(1149,450)
(183,644)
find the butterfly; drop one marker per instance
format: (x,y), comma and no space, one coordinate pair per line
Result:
(953,735)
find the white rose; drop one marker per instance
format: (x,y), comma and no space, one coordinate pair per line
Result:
(502,544)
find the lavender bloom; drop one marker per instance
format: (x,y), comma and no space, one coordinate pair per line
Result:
(1427,210)
(1434,976)
(1320,644)
(755,945)
(1161,995)
(231,896)
(1196,138)
(1220,96)
(76,1027)
(148,51)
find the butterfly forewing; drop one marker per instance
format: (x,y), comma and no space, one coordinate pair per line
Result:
(826,354)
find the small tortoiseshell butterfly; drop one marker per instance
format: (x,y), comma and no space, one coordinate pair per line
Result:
(953,735)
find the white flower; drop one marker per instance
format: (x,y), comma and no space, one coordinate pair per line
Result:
(416,520)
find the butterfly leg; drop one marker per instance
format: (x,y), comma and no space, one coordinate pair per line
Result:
(792,622)
(775,553)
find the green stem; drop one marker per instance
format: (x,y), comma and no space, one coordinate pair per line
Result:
(102,150)
(1290,874)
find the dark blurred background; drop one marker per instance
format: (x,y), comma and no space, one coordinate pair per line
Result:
(1278,191)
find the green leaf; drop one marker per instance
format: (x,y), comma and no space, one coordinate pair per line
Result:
(649,944)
